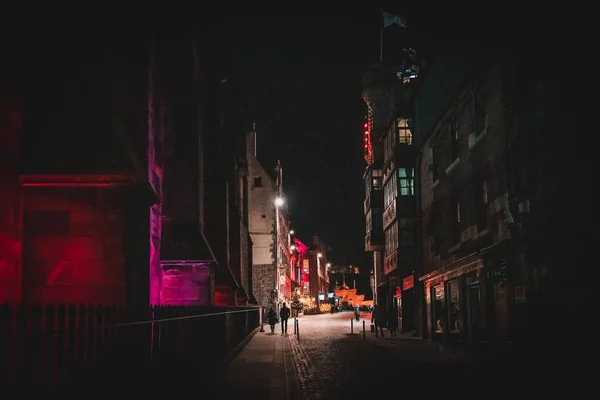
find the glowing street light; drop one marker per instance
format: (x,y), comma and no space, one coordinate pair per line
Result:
(328,265)
(319,255)
(292,232)
(279,201)
(292,247)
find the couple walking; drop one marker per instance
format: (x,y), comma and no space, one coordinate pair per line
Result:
(381,318)
(284,314)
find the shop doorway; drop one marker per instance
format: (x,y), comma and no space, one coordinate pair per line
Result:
(473,307)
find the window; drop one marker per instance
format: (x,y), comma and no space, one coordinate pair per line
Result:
(404,131)
(391,238)
(407,181)
(454,140)
(390,191)
(480,201)
(457,224)
(377,179)
(377,219)
(455,317)
(258,182)
(406,231)
(478,112)
(373,181)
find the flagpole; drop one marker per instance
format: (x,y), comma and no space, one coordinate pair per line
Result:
(381,37)
(381,43)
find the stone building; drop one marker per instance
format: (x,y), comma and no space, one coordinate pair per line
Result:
(116,204)
(273,267)
(318,277)
(464,203)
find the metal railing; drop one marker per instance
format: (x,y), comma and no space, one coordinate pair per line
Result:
(68,345)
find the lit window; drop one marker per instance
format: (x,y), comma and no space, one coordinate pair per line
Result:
(407,181)
(404,131)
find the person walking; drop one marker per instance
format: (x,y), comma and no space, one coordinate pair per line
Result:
(379,318)
(272,317)
(284,314)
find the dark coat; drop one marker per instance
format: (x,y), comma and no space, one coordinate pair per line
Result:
(379,316)
(272,317)
(284,313)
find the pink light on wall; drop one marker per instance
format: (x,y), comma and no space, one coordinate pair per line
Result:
(155,177)
(301,248)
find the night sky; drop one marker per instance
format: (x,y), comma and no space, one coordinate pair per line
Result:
(301,79)
(302,84)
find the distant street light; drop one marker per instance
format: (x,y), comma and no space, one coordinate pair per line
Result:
(279,201)
(292,232)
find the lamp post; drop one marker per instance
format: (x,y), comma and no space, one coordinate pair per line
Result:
(278,203)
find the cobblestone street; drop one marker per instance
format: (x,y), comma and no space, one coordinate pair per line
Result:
(332,363)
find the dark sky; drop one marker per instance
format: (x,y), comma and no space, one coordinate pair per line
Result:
(301,77)
(302,83)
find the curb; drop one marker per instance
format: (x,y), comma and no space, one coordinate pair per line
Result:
(225,361)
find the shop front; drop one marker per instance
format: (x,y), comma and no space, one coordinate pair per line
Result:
(453,300)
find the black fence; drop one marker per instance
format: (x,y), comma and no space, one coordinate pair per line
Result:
(71,345)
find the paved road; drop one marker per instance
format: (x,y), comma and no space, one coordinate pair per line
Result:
(334,364)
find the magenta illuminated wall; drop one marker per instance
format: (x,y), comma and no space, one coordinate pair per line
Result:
(155,176)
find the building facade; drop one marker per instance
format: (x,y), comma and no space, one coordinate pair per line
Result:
(390,198)
(274,268)
(318,277)
(114,204)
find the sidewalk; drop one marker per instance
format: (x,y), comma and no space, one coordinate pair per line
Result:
(264,369)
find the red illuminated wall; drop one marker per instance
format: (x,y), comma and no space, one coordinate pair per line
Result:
(73,247)
(10,245)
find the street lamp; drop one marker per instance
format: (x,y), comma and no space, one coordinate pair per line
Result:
(278,203)
(292,232)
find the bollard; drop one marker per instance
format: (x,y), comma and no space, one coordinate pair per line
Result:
(363,330)
(295,324)
(376,334)
(352,326)
(297,330)
(262,321)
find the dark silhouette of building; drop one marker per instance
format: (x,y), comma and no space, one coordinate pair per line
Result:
(493,229)
(390,204)
(130,155)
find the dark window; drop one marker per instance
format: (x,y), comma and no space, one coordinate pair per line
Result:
(480,201)
(454,140)
(457,222)
(258,182)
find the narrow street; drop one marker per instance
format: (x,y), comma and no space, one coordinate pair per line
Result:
(332,363)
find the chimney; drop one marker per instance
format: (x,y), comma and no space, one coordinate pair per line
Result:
(251,142)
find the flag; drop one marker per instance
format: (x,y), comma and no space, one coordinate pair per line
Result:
(393,20)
